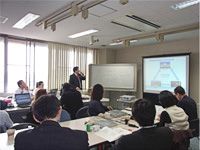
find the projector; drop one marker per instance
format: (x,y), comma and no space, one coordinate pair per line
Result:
(127,97)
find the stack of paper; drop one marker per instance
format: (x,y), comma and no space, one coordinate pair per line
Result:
(112,134)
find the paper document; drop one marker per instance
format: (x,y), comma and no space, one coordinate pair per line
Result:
(112,134)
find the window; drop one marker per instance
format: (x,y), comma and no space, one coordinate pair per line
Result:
(16,63)
(41,63)
(1,64)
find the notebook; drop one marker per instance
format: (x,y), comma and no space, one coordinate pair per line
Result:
(23,100)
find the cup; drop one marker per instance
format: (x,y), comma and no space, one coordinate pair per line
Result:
(10,133)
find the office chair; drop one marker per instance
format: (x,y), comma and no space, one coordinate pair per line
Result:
(64,116)
(83,112)
(23,126)
(194,126)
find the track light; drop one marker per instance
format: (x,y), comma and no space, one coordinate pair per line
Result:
(160,37)
(126,43)
(123,2)
(85,13)
(74,9)
(53,27)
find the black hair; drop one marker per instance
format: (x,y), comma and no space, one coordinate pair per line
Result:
(179,90)
(19,82)
(75,69)
(166,99)
(97,92)
(67,87)
(144,112)
(39,83)
(46,106)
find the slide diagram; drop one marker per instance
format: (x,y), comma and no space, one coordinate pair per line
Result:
(165,76)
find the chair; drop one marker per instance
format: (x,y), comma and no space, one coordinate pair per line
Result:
(181,139)
(194,126)
(64,116)
(23,126)
(83,112)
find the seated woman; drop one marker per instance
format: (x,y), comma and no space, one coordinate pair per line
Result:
(173,117)
(29,116)
(5,121)
(71,100)
(95,105)
(148,137)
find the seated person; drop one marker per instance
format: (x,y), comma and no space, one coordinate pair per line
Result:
(49,134)
(29,116)
(148,137)
(71,100)
(173,117)
(23,88)
(95,105)
(39,85)
(5,121)
(186,103)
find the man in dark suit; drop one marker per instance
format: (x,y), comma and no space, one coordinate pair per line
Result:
(148,137)
(186,103)
(50,135)
(76,78)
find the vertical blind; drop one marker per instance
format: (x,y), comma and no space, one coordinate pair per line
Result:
(62,59)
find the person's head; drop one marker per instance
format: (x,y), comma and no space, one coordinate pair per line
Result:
(47,107)
(97,92)
(76,69)
(66,87)
(21,84)
(166,99)
(40,92)
(179,92)
(40,84)
(144,112)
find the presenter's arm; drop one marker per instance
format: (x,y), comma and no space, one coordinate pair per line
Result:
(82,76)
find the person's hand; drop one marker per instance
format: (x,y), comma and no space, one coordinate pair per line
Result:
(78,89)
(109,108)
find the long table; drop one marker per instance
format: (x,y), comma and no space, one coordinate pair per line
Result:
(78,124)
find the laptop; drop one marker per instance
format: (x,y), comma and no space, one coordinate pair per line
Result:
(23,100)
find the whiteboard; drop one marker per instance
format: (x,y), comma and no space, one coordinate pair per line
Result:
(114,76)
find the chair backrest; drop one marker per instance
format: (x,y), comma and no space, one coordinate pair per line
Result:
(82,112)
(64,116)
(23,126)
(194,125)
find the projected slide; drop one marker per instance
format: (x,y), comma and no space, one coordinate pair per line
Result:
(165,73)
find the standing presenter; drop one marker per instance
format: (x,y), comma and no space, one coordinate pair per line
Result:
(76,78)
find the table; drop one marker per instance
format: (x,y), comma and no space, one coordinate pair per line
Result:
(78,124)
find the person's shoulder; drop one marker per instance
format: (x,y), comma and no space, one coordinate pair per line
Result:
(75,133)
(24,134)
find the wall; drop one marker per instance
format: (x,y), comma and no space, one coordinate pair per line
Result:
(134,55)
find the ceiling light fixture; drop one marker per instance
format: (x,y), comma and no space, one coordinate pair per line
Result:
(30,17)
(185,4)
(3,19)
(82,33)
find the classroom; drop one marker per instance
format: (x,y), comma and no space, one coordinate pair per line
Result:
(114,51)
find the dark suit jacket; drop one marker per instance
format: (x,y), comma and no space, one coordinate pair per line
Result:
(147,139)
(51,136)
(71,101)
(189,106)
(73,80)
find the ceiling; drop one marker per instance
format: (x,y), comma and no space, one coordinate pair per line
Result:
(100,17)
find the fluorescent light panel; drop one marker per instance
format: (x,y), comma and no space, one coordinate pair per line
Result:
(83,33)
(119,43)
(185,4)
(26,20)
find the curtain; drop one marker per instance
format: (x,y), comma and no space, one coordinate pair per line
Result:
(62,59)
